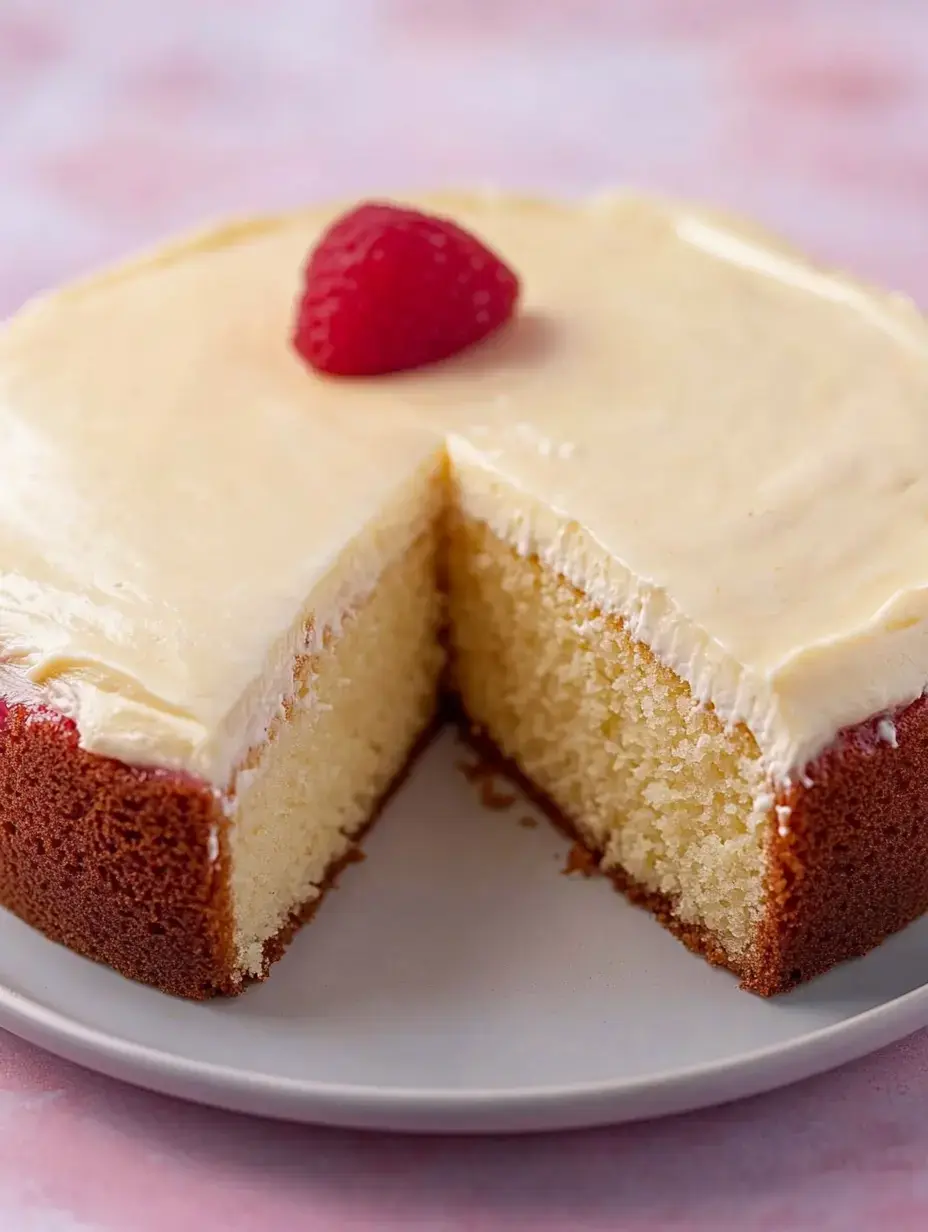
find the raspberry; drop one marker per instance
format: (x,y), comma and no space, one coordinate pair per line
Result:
(389,288)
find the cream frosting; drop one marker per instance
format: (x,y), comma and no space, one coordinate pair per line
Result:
(719,441)
(178,517)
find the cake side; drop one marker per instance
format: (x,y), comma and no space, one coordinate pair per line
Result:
(128,866)
(851,866)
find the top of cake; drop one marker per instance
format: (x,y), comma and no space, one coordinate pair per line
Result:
(718,440)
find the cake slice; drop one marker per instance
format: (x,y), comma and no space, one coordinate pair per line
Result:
(661,541)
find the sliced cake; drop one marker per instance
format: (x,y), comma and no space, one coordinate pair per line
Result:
(661,539)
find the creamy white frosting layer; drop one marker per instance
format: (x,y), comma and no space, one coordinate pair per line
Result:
(716,439)
(178,519)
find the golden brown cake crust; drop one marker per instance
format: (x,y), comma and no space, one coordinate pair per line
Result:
(852,866)
(114,861)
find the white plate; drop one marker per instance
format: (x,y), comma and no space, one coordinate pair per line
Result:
(456,980)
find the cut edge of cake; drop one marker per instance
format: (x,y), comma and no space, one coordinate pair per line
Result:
(776,883)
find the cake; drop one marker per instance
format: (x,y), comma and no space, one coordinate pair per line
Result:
(661,542)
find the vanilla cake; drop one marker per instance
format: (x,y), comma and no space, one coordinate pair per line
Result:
(663,540)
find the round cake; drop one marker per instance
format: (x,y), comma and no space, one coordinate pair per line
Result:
(632,491)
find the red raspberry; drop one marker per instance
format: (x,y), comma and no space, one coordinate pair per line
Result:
(389,288)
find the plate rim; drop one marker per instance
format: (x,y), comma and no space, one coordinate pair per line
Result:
(453,1110)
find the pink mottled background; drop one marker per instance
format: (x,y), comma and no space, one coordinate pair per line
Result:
(120,121)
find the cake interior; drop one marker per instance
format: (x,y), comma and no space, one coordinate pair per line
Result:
(360,702)
(670,800)
(652,782)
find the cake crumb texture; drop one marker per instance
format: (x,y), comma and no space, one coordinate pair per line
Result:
(359,707)
(653,783)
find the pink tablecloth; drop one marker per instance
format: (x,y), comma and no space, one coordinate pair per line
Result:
(120,121)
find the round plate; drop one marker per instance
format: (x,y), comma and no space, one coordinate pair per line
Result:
(458,981)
